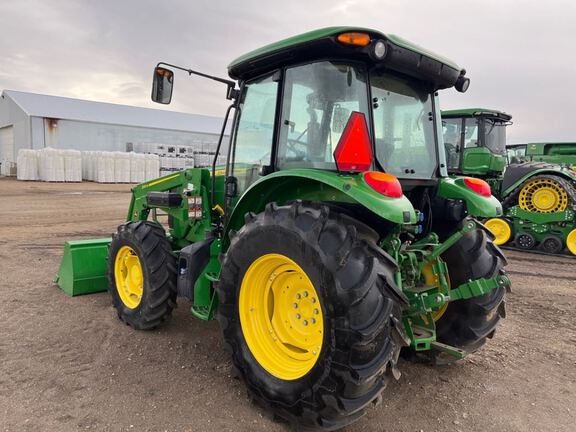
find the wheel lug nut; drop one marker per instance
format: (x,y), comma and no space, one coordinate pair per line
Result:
(297,316)
(305,293)
(313,300)
(298,296)
(315,311)
(295,305)
(305,322)
(312,320)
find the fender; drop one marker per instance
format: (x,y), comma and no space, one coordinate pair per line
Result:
(565,173)
(476,204)
(327,186)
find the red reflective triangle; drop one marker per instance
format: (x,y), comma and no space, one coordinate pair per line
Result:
(354,150)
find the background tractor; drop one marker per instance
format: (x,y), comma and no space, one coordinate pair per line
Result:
(332,238)
(539,198)
(561,153)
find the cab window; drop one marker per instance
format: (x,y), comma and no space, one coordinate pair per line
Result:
(255,131)
(318,101)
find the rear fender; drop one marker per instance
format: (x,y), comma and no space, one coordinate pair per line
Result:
(324,186)
(477,205)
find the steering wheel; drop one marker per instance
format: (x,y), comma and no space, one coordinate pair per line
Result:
(291,146)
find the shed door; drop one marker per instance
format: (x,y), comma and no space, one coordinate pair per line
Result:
(7,143)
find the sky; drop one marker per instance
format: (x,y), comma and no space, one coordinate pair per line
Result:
(519,55)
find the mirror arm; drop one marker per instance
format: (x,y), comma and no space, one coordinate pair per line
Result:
(231,92)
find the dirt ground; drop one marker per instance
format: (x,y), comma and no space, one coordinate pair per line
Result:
(68,364)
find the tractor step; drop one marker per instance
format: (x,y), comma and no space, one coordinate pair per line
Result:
(83,267)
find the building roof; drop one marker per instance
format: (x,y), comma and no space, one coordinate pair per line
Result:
(39,105)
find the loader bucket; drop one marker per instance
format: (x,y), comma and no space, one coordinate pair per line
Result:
(83,267)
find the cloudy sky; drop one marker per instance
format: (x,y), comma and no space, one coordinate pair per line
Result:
(519,54)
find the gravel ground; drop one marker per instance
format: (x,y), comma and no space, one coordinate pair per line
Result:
(68,364)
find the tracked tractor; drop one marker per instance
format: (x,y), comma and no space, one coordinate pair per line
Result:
(561,153)
(538,196)
(333,237)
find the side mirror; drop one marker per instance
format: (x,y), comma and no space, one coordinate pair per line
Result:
(162,83)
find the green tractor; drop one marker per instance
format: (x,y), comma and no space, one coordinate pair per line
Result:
(561,153)
(332,239)
(538,196)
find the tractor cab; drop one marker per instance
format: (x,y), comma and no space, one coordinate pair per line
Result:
(301,98)
(339,100)
(475,141)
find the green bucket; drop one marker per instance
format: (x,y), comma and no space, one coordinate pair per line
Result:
(84,266)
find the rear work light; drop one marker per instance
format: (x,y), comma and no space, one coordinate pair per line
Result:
(384,183)
(354,38)
(354,150)
(477,185)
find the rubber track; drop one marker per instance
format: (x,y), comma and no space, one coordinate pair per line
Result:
(569,186)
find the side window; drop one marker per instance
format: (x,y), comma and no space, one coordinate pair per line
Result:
(318,100)
(471,133)
(452,134)
(255,131)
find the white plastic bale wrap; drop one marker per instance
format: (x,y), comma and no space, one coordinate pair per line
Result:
(121,167)
(27,165)
(72,165)
(152,166)
(52,165)
(137,168)
(88,165)
(109,167)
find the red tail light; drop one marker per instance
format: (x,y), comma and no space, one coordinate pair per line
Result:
(384,183)
(479,186)
(354,151)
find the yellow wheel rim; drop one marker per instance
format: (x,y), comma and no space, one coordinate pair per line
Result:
(543,196)
(129,277)
(571,242)
(501,230)
(281,316)
(430,279)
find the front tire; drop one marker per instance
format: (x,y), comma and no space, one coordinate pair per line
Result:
(142,274)
(279,255)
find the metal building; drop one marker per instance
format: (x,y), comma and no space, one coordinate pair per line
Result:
(35,121)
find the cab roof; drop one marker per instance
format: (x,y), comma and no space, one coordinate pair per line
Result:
(476,112)
(402,55)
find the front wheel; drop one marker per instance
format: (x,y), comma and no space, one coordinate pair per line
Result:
(310,312)
(142,274)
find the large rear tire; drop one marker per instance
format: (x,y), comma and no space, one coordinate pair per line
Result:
(467,324)
(299,252)
(142,274)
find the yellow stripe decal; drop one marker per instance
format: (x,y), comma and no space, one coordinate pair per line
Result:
(155,182)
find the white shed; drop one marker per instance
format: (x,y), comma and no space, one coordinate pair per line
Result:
(35,121)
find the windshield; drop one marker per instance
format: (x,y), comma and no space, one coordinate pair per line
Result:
(403,126)
(516,154)
(495,136)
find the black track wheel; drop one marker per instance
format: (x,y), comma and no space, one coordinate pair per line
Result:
(467,323)
(524,240)
(142,274)
(360,306)
(552,244)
